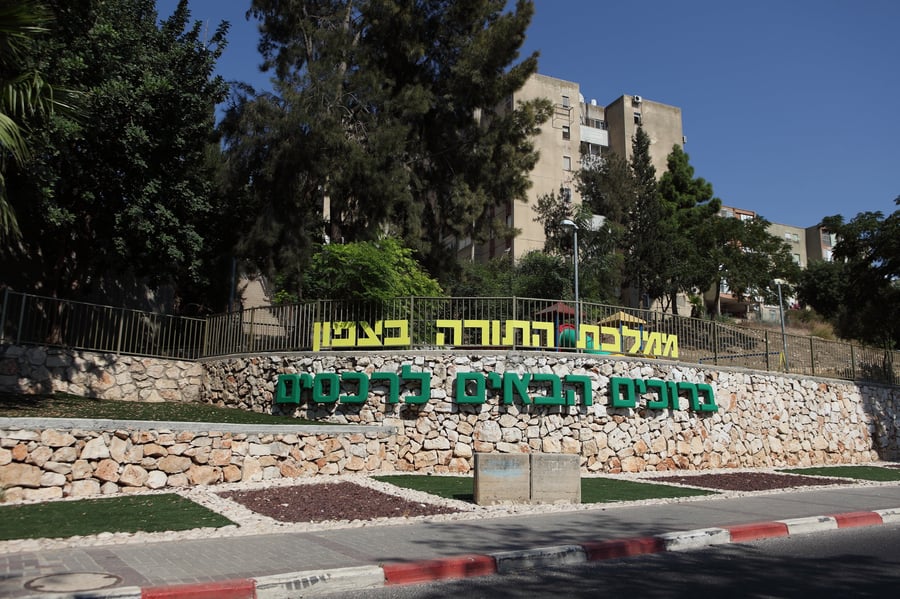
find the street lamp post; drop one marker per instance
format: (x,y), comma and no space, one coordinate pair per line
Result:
(778,282)
(570,223)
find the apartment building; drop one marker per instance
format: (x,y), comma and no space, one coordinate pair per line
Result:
(577,130)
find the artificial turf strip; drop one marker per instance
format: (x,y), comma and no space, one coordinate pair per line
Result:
(148,513)
(593,490)
(873,473)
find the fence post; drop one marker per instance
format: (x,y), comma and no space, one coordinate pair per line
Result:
(119,333)
(21,320)
(852,363)
(205,347)
(3,315)
(250,334)
(767,351)
(812,357)
(715,343)
(412,321)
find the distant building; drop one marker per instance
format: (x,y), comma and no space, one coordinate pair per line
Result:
(577,130)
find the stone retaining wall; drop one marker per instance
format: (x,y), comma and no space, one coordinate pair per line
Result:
(48,458)
(91,374)
(763,420)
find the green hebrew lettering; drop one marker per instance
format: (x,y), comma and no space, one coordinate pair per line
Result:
(662,396)
(693,398)
(393,384)
(709,405)
(615,389)
(673,394)
(289,386)
(424,379)
(462,396)
(362,388)
(586,392)
(334,387)
(513,385)
(555,398)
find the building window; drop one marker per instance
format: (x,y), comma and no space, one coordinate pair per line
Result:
(796,258)
(565,101)
(566,193)
(567,163)
(637,118)
(567,133)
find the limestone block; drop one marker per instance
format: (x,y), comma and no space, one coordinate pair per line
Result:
(133,476)
(53,479)
(174,464)
(107,470)
(156,479)
(5,456)
(54,438)
(84,488)
(42,494)
(17,474)
(203,475)
(95,449)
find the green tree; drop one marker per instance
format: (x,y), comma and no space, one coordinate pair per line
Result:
(391,116)
(869,245)
(125,189)
(688,203)
(544,276)
(822,287)
(747,258)
(367,270)
(24,93)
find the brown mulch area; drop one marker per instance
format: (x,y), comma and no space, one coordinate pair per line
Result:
(749,481)
(331,501)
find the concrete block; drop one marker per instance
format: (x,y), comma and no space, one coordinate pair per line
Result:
(502,478)
(555,478)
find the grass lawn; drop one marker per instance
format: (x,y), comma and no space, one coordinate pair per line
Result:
(58,405)
(873,473)
(149,513)
(593,490)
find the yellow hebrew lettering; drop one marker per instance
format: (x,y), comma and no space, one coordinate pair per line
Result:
(671,348)
(616,344)
(496,338)
(400,335)
(547,329)
(455,327)
(512,326)
(636,335)
(484,325)
(343,334)
(586,331)
(368,336)
(321,335)
(653,344)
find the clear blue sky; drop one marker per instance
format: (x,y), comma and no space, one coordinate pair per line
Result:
(791,107)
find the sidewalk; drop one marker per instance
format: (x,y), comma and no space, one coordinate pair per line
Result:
(311,563)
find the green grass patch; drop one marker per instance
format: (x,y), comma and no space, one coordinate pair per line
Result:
(593,490)
(133,513)
(59,405)
(873,473)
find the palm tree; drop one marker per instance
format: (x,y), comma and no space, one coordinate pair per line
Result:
(23,92)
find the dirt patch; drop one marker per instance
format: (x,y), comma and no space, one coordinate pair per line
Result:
(331,501)
(749,481)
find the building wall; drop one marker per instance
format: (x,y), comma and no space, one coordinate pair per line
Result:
(793,236)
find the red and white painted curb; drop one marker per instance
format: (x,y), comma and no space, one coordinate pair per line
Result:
(312,583)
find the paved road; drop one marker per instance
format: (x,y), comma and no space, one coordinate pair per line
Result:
(317,558)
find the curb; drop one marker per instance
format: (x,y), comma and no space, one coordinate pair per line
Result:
(313,583)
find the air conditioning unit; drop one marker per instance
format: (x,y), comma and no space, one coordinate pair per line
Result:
(637,99)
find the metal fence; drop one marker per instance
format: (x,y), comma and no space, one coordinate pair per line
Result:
(431,323)
(36,320)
